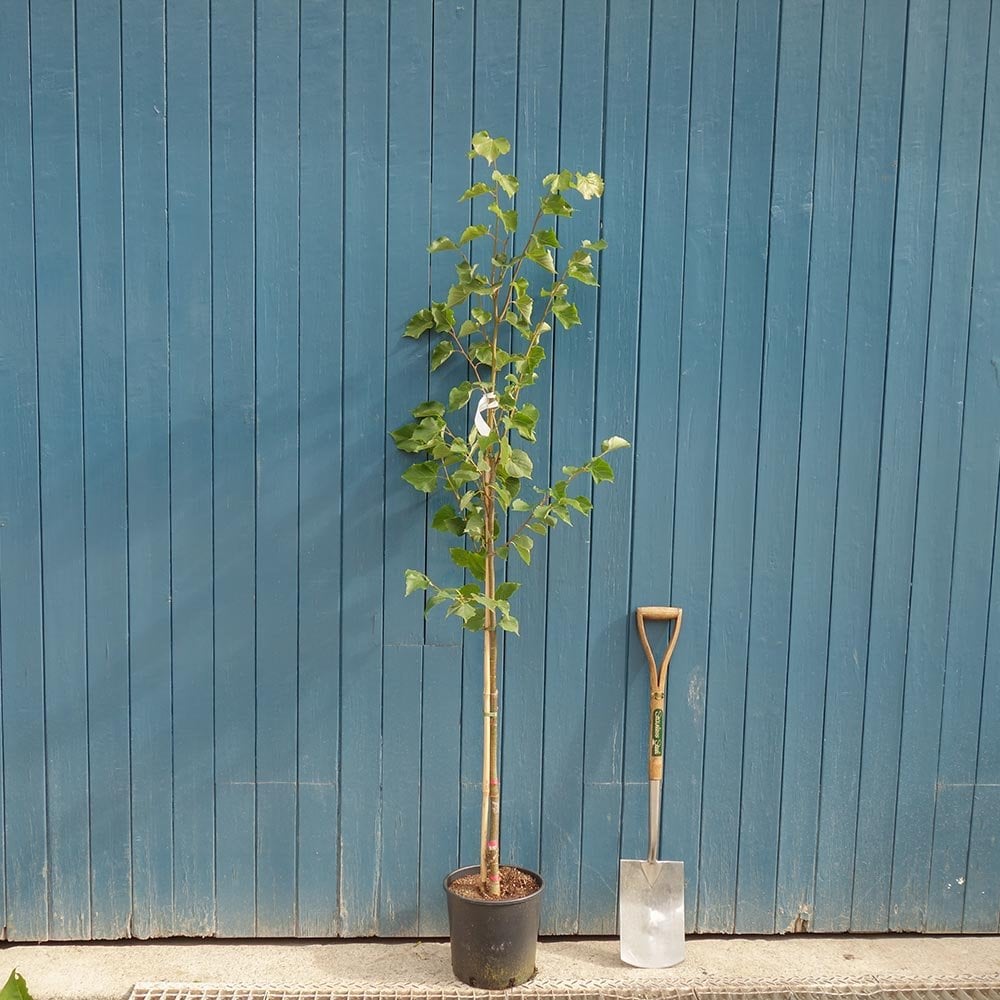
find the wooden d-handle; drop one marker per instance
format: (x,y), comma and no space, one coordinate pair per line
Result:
(658,614)
(657,680)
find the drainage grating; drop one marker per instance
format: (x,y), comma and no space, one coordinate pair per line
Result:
(870,988)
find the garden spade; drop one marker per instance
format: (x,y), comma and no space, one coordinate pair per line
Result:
(651,892)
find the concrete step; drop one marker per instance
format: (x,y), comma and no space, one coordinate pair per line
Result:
(805,966)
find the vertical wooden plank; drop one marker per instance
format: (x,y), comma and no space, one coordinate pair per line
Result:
(365,99)
(896,513)
(441,707)
(103,332)
(233,395)
(777,473)
(871,255)
(21,648)
(493,97)
(189,208)
(409,177)
(537,154)
(573,359)
(320,390)
(655,442)
(739,406)
(277,368)
(937,497)
(981,913)
(609,621)
(60,409)
(698,410)
(955,244)
(826,322)
(147,421)
(982,893)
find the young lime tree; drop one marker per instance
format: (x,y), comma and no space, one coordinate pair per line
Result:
(496,344)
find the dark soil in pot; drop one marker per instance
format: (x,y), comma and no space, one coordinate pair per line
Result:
(493,941)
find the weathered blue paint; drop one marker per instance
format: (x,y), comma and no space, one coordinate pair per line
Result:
(147,430)
(219,713)
(233,458)
(900,452)
(103,324)
(321,162)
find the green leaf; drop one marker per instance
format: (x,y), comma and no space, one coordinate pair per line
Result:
(468,328)
(562,513)
(414,581)
(510,624)
(475,524)
(403,436)
(419,324)
(518,323)
(558,182)
(520,505)
(481,316)
(475,622)
(482,352)
(505,591)
(565,312)
(447,520)
(484,145)
(547,237)
(507,181)
(523,545)
(465,473)
(473,233)
(432,408)
(524,420)
(533,357)
(463,609)
(556,204)
(508,217)
(474,562)
(435,599)
(614,443)
(441,243)
(444,318)
(422,476)
(15,988)
(601,471)
(581,268)
(459,396)
(534,251)
(589,185)
(475,191)
(581,503)
(441,353)
(519,464)
(596,244)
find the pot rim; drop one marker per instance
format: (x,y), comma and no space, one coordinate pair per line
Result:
(468,869)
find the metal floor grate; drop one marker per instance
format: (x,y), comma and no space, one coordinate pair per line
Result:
(870,988)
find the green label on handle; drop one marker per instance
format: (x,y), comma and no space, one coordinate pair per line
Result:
(657,732)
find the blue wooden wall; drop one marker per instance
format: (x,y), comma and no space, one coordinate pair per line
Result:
(219,713)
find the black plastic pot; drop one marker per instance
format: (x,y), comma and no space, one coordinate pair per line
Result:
(493,942)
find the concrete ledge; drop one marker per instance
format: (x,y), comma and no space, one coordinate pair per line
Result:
(897,967)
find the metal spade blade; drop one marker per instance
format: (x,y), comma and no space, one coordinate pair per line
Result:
(651,909)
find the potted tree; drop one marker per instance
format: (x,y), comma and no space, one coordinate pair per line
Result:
(508,307)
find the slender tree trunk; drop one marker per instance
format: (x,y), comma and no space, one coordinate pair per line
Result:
(489,864)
